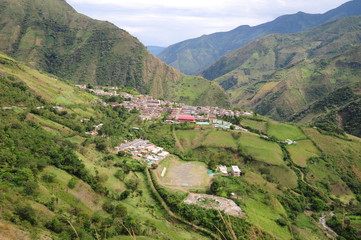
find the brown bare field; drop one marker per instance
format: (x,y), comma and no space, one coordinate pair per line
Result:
(181,174)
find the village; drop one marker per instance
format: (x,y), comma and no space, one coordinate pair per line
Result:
(150,108)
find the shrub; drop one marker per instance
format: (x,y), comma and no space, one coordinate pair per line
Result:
(72,182)
(120,211)
(108,207)
(49,177)
(27,213)
(281,222)
(124,195)
(120,174)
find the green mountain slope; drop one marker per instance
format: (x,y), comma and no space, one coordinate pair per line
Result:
(51,36)
(280,75)
(192,56)
(341,108)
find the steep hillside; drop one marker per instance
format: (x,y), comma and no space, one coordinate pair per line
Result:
(51,36)
(341,108)
(194,55)
(280,75)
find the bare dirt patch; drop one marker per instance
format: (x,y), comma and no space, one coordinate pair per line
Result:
(210,201)
(189,175)
(9,232)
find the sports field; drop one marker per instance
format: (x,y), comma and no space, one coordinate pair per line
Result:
(175,173)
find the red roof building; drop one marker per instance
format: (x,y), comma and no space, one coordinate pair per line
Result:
(186,118)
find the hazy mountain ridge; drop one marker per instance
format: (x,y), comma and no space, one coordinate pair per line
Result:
(51,36)
(155,49)
(194,55)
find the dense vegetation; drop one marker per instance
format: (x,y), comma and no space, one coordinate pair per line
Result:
(194,55)
(340,108)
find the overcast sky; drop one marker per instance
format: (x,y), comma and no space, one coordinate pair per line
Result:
(165,22)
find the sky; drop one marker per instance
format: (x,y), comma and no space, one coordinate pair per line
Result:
(165,22)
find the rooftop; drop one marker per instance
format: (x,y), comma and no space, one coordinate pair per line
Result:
(236,169)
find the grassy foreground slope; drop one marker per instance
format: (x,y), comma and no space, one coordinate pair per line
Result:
(58,183)
(51,36)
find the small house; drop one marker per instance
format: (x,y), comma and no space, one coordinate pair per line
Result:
(186,118)
(223,170)
(236,171)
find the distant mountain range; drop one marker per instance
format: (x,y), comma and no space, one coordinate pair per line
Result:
(155,49)
(51,36)
(192,56)
(281,75)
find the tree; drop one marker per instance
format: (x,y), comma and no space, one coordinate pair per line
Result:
(101,146)
(120,211)
(317,204)
(124,195)
(26,212)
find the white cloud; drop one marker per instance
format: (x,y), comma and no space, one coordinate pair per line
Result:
(164,22)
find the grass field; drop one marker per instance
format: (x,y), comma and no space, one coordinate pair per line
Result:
(49,125)
(264,216)
(189,138)
(181,174)
(335,146)
(302,151)
(91,159)
(219,138)
(283,131)
(284,176)
(261,150)
(48,87)
(260,125)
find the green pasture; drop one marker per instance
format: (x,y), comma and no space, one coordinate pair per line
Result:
(260,125)
(264,214)
(302,151)
(261,150)
(285,131)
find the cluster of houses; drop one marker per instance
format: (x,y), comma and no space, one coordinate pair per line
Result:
(226,125)
(95,130)
(235,171)
(143,149)
(150,108)
(99,90)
